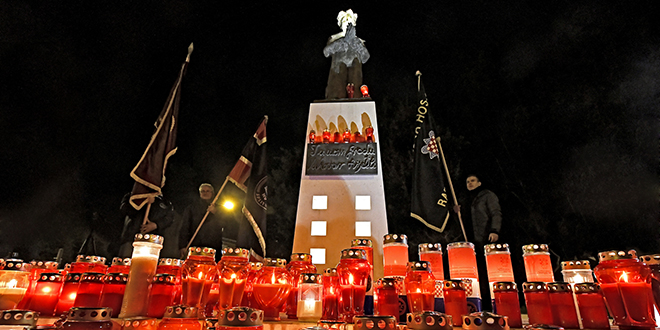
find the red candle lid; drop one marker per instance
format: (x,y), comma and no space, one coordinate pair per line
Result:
(19,317)
(330,272)
(365,322)
(180,312)
(535,248)
(395,238)
(362,242)
(92,259)
(312,278)
(412,266)
(386,282)
(201,251)
(306,257)
(429,247)
(92,277)
(170,262)
(616,255)
(504,286)
(353,254)
(653,259)
(559,287)
(274,262)
(116,261)
(534,287)
(575,264)
(240,317)
(72,277)
(453,284)
(115,278)
(457,245)
(50,277)
(495,248)
(165,279)
(149,238)
(586,288)
(429,320)
(89,314)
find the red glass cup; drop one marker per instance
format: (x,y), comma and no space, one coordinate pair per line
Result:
(330,282)
(46,292)
(271,287)
(161,295)
(420,287)
(233,270)
(89,290)
(248,297)
(300,263)
(357,137)
(197,275)
(312,137)
(119,265)
(462,260)
(562,305)
(369,134)
(354,272)
(327,138)
(498,263)
(455,300)
(180,317)
(172,266)
(114,286)
(366,245)
(386,298)
(653,261)
(506,302)
(395,255)
(346,137)
(537,300)
(36,269)
(432,252)
(336,138)
(626,285)
(89,264)
(538,267)
(364,90)
(592,306)
(68,293)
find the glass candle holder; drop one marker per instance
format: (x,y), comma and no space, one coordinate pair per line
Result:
(233,270)
(180,317)
(498,263)
(395,255)
(146,249)
(89,290)
(562,305)
(346,137)
(505,302)
(248,297)
(271,288)
(197,275)
(538,267)
(366,245)
(336,137)
(46,292)
(455,300)
(432,253)
(327,138)
(592,306)
(462,260)
(300,263)
(16,319)
(161,295)
(537,300)
(357,137)
(626,285)
(386,298)
(420,287)
(212,301)
(68,293)
(114,286)
(36,269)
(577,271)
(89,264)
(88,318)
(331,287)
(312,137)
(14,283)
(172,266)
(653,261)
(364,90)
(240,318)
(310,297)
(354,272)
(369,134)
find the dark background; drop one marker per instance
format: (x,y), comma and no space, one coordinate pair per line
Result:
(555,104)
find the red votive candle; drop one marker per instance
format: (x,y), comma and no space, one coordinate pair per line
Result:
(180,317)
(386,298)
(14,282)
(248,297)
(432,252)
(369,134)
(357,137)
(420,287)
(498,263)
(114,286)
(462,260)
(505,302)
(354,272)
(538,267)
(366,245)
(310,297)
(330,282)
(89,264)
(197,275)
(653,261)
(46,292)
(36,269)
(68,294)
(300,263)
(327,138)
(537,300)
(562,305)
(336,138)
(592,306)
(455,301)
(312,137)
(395,255)
(626,285)
(161,295)
(271,288)
(233,270)
(172,266)
(89,290)
(120,265)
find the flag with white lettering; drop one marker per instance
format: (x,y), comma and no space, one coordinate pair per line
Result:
(429,203)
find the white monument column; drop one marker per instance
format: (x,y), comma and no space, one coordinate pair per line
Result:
(341,189)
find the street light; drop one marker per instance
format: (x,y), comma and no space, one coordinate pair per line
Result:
(229,205)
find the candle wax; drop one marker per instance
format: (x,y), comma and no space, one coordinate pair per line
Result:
(419,302)
(330,308)
(309,310)
(136,295)
(231,292)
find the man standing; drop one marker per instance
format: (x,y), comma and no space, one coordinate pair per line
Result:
(485,214)
(210,234)
(161,216)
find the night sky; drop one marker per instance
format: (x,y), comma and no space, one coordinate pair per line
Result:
(554,103)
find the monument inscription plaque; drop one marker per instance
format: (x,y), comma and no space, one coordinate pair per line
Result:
(342,159)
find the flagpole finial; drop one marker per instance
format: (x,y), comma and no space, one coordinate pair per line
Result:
(418,73)
(265,118)
(190,50)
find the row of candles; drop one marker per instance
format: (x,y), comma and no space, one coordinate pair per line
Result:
(345,137)
(143,286)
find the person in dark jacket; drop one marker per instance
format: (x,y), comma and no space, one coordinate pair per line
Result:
(485,213)
(210,234)
(161,216)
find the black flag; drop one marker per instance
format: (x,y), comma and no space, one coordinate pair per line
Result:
(429,203)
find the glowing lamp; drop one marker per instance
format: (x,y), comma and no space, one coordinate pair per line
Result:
(68,293)
(365,91)
(310,294)
(271,288)
(300,263)
(354,271)
(386,297)
(44,297)
(146,249)
(420,286)
(326,136)
(233,270)
(395,254)
(89,290)
(198,273)
(330,295)
(14,283)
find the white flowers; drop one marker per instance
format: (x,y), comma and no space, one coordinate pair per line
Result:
(345,17)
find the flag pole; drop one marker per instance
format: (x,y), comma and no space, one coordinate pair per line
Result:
(146,214)
(451,187)
(207,213)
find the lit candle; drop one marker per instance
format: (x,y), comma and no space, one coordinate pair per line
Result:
(146,249)
(233,270)
(330,291)
(68,294)
(310,303)
(198,273)
(395,255)
(505,302)
(386,298)
(46,293)
(89,290)
(272,287)
(455,301)
(538,267)
(420,287)
(462,260)
(300,263)
(326,136)
(14,283)
(354,271)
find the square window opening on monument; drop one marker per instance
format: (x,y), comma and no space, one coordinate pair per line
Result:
(319,202)
(318,256)
(363,203)
(319,228)
(363,228)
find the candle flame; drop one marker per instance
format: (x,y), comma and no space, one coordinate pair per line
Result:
(419,290)
(12,283)
(272,280)
(200,275)
(624,277)
(46,289)
(72,296)
(233,276)
(350,278)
